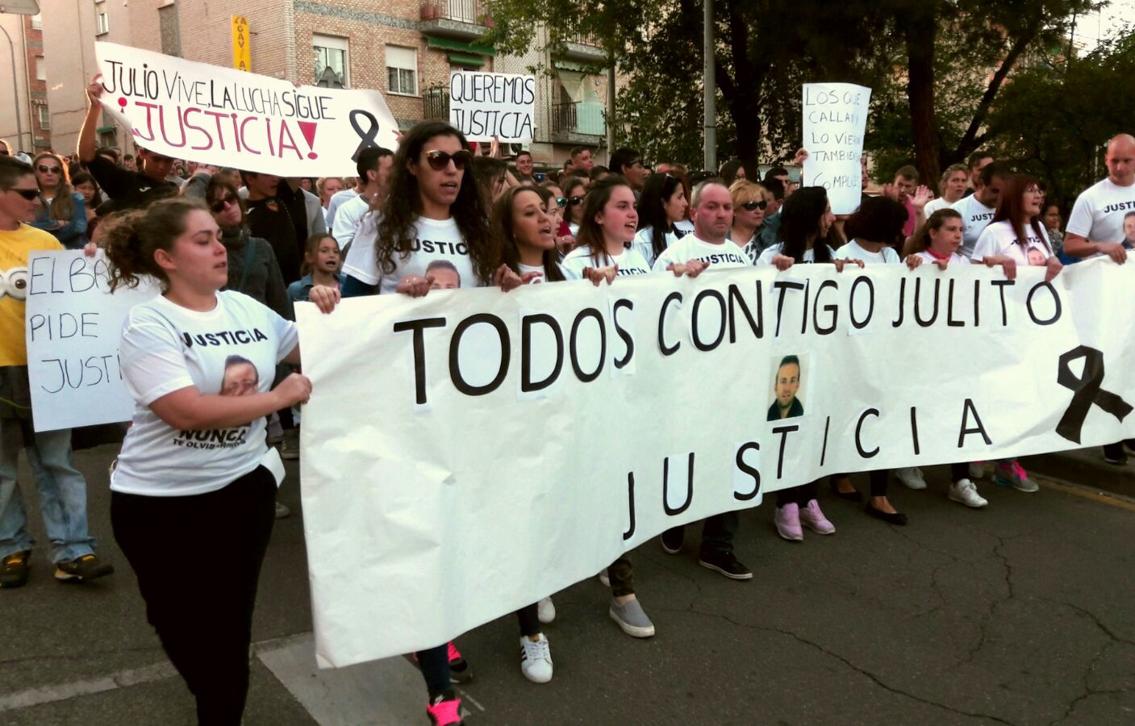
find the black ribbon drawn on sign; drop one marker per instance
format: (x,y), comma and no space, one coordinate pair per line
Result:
(369,136)
(1087,390)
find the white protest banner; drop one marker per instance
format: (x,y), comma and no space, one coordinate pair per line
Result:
(227,117)
(74,326)
(471,452)
(484,105)
(835,119)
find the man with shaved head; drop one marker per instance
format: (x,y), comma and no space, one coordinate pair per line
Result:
(1095,228)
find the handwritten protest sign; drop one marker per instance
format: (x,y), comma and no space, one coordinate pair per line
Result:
(835,119)
(659,406)
(74,325)
(227,117)
(484,105)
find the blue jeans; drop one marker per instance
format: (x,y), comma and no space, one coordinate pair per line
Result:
(62,492)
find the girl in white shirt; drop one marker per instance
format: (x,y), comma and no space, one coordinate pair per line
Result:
(661,206)
(195,481)
(1015,237)
(952,187)
(575,191)
(603,245)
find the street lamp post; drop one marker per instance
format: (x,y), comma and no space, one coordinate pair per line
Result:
(15,91)
(709,90)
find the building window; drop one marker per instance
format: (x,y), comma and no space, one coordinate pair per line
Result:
(331,63)
(40,69)
(170,28)
(37,21)
(102,21)
(44,117)
(401,70)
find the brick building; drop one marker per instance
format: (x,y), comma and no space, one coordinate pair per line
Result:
(25,122)
(404,48)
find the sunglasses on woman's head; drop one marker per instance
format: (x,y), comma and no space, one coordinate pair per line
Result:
(439,160)
(219,205)
(755,204)
(28,194)
(48,169)
(572,201)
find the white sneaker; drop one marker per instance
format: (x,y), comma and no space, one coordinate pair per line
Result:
(536,659)
(976,469)
(604,579)
(911,477)
(964,492)
(546,610)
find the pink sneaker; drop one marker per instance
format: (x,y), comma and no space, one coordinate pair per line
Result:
(445,711)
(812,517)
(787,520)
(1010,473)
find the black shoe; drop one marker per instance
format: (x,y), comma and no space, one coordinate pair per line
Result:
(81,569)
(889,517)
(14,569)
(725,563)
(851,496)
(672,540)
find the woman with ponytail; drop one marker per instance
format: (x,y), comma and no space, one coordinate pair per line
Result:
(195,481)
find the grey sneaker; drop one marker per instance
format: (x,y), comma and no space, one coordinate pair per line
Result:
(632,619)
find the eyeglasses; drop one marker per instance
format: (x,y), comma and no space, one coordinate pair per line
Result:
(48,169)
(219,205)
(439,160)
(561,201)
(28,194)
(750,206)
(572,201)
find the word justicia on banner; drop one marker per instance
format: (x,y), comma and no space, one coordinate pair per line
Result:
(623,410)
(228,117)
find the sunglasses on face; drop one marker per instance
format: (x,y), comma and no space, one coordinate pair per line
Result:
(219,205)
(439,160)
(750,206)
(28,194)
(572,201)
(48,169)
(561,201)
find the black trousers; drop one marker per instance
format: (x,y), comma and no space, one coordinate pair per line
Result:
(717,533)
(198,560)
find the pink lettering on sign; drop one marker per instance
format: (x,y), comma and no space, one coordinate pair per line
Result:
(183,127)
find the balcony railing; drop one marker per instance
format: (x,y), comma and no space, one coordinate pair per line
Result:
(462,11)
(435,103)
(578,117)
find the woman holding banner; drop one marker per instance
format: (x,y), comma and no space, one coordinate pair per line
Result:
(1016,237)
(608,227)
(433,214)
(195,480)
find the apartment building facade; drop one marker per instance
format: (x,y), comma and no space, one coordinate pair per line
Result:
(25,121)
(404,48)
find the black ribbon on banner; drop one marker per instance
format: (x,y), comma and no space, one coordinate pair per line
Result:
(1087,390)
(369,136)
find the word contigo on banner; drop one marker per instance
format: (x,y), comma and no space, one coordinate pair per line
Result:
(487,105)
(74,327)
(591,419)
(835,119)
(226,117)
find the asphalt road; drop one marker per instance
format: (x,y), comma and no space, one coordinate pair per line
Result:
(1017,614)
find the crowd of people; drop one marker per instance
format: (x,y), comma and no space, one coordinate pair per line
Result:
(214,364)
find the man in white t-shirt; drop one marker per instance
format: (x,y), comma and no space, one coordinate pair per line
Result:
(711,207)
(374,167)
(712,210)
(978,209)
(1095,226)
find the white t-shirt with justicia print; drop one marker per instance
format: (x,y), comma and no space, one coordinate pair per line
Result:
(1000,239)
(230,350)
(630,262)
(436,241)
